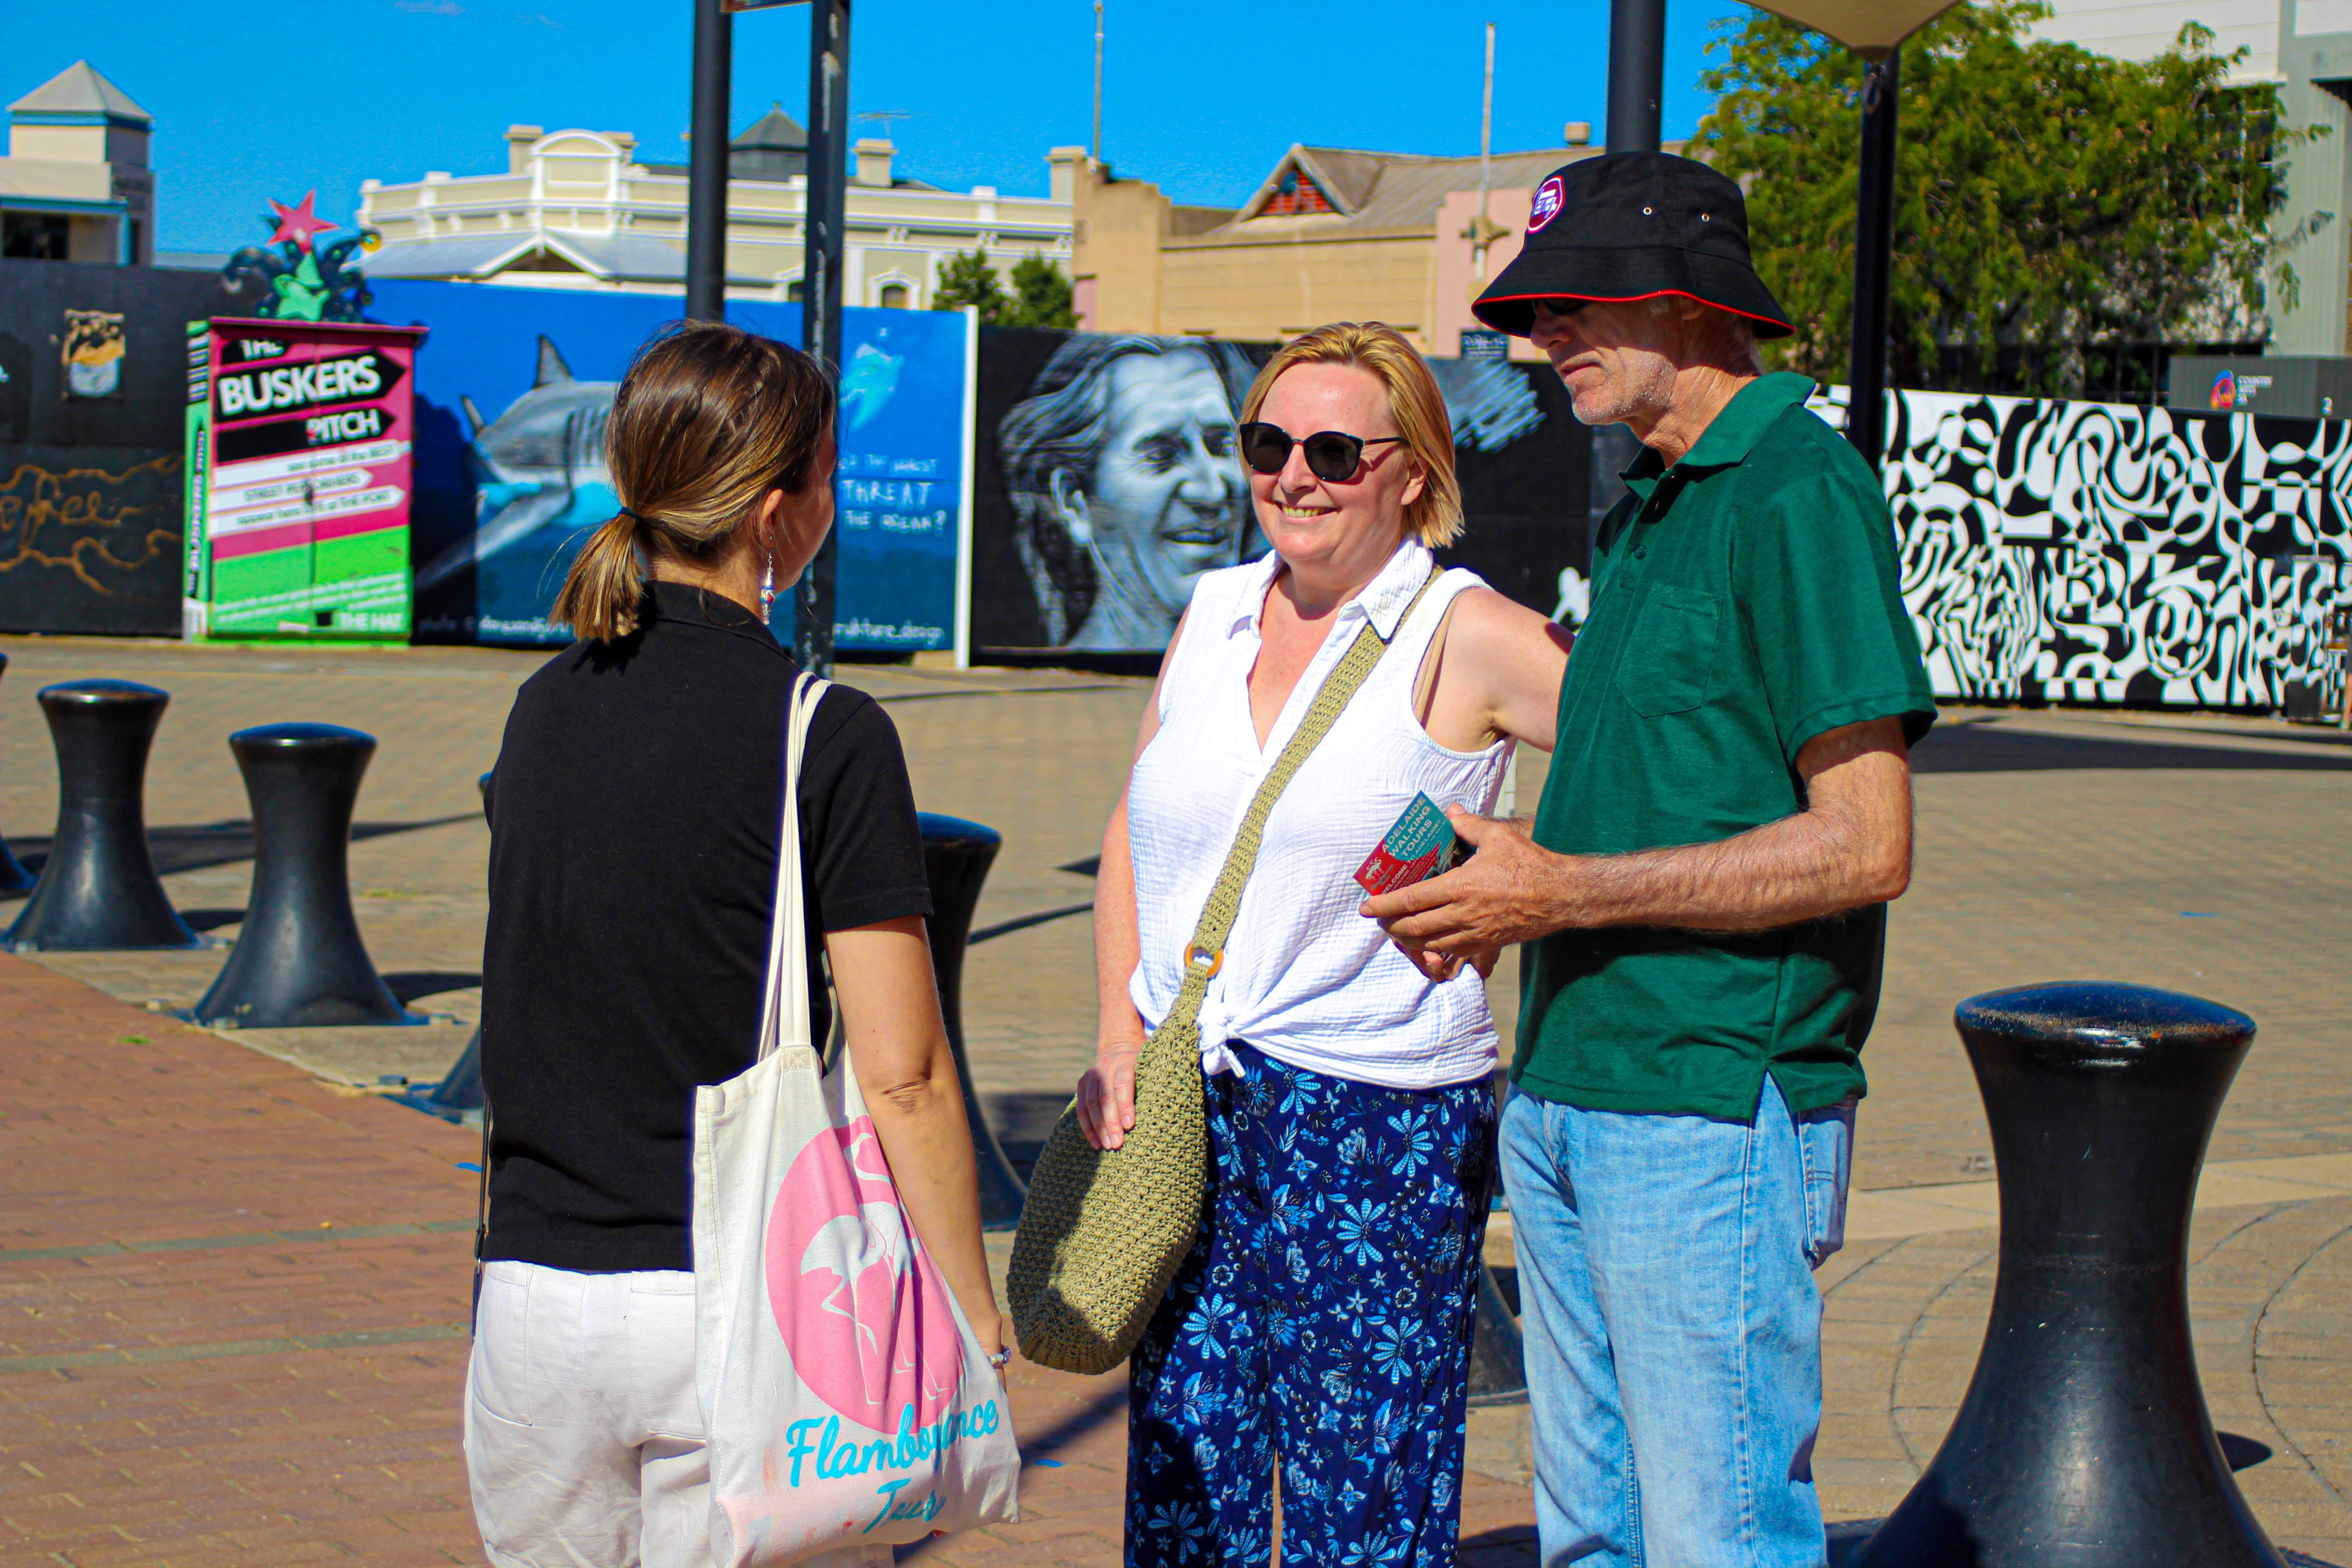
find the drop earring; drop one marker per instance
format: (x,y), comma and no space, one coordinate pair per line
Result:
(768,589)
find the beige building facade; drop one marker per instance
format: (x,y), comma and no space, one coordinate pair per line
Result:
(1333,233)
(75,185)
(583,209)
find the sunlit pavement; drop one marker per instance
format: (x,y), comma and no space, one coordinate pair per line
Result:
(236,1279)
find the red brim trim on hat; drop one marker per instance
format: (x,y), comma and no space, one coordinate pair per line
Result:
(1629,300)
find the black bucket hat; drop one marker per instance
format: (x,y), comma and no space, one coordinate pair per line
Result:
(1633,225)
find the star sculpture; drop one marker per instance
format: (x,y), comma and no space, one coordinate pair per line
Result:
(299,223)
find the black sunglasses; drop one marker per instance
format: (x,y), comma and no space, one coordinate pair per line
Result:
(1331,455)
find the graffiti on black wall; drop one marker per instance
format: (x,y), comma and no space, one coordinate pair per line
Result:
(90,540)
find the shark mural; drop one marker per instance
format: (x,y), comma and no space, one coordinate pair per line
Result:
(513,402)
(541,487)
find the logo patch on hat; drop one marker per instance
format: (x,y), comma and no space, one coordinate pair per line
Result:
(1550,196)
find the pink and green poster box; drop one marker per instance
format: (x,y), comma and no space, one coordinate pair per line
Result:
(298,461)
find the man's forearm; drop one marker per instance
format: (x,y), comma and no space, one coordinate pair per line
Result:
(1850,846)
(1801,867)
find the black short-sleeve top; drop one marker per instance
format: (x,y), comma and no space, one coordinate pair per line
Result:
(634,812)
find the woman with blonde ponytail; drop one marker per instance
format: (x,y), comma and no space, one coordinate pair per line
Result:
(634,812)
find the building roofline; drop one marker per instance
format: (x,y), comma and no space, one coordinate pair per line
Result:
(79,89)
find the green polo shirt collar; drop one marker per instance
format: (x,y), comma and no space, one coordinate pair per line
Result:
(1733,434)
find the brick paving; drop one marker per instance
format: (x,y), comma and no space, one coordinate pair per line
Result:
(197,1368)
(234,1301)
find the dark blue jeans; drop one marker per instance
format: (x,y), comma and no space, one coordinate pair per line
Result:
(1322,1320)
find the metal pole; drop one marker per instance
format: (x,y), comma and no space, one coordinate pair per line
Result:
(1874,260)
(705,179)
(820,320)
(1486,157)
(1098,30)
(1637,74)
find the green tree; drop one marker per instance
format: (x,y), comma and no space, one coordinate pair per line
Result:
(968,278)
(1041,295)
(2044,195)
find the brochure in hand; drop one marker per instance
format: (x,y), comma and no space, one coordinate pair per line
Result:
(1421,845)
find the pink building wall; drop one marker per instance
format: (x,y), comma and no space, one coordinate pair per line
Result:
(1456,285)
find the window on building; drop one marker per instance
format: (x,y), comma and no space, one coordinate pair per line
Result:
(796,291)
(1295,194)
(34,237)
(138,236)
(894,296)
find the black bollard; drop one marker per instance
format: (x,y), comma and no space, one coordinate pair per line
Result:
(1498,1371)
(98,890)
(2084,1441)
(14,878)
(460,1088)
(299,961)
(1498,1368)
(956,857)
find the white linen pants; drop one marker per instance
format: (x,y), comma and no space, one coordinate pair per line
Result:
(585,1443)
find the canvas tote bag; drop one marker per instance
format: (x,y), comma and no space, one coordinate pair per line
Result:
(847,1399)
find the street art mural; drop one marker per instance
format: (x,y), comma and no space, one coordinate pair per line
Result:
(90,539)
(1109,481)
(2099,552)
(541,487)
(511,407)
(92,354)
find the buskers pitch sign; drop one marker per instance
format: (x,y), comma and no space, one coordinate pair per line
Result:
(298,479)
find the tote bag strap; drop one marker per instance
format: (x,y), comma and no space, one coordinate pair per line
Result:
(784,1018)
(1206,954)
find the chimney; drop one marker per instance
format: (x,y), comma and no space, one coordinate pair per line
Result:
(1064,162)
(874,161)
(520,139)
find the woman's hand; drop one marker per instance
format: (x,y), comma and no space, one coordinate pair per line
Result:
(1106,1094)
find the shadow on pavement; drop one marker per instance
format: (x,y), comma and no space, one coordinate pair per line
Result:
(1982,748)
(1109,1406)
(412,985)
(1505,1548)
(193,849)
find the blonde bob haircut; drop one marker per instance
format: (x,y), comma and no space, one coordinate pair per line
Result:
(1414,403)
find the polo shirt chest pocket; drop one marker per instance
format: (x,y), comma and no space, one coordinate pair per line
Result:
(1669,661)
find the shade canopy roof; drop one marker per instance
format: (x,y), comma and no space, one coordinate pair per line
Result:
(1869,27)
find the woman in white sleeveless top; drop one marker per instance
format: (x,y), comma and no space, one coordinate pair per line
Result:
(1322,1321)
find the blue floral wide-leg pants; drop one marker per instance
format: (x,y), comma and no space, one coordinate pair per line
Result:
(1322,1320)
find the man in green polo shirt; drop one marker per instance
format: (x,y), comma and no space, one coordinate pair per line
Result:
(1702,893)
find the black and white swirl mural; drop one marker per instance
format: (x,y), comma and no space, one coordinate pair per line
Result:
(2097,553)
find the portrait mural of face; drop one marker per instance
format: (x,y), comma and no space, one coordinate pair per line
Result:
(1107,479)
(1125,487)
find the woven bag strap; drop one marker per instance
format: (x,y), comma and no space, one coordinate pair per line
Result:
(1206,955)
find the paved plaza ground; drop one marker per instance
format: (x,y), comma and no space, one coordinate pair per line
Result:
(233,1280)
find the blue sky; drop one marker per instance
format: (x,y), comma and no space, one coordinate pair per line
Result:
(1201,96)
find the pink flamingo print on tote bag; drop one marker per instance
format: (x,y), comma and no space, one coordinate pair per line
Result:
(841,1270)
